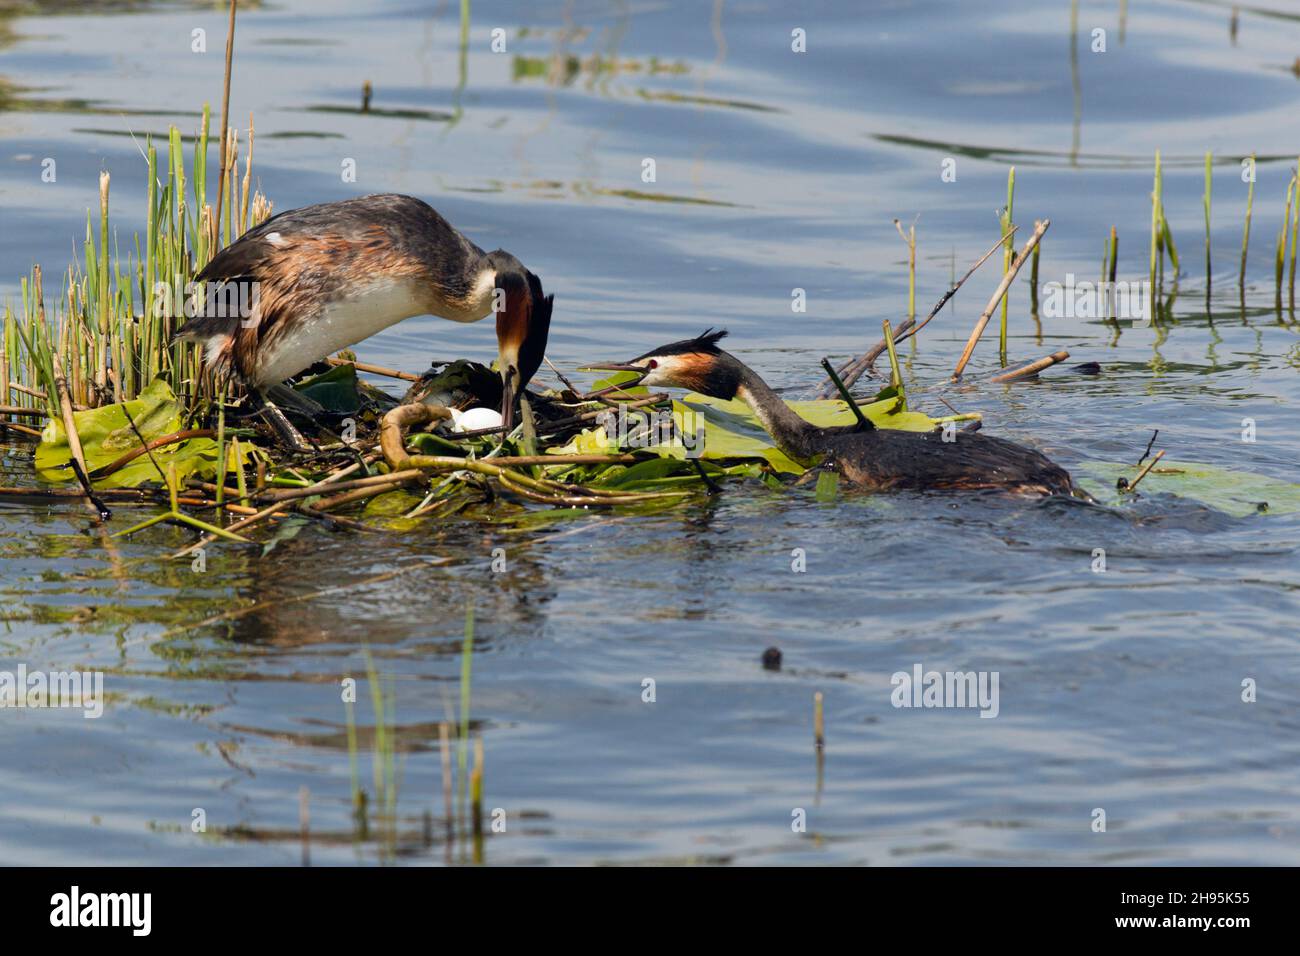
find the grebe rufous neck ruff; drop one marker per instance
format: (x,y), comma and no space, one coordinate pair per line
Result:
(329,275)
(876,459)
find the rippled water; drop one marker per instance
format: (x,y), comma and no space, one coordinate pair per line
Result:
(1118,690)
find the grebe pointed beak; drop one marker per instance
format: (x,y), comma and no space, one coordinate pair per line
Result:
(612,367)
(508,393)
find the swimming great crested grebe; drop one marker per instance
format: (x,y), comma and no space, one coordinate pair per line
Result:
(327,276)
(875,459)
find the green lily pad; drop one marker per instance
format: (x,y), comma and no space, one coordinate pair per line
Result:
(106,435)
(335,390)
(1237,493)
(194,457)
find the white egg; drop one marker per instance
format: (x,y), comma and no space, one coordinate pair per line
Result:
(474,419)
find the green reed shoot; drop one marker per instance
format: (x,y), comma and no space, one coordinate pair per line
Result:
(1295,216)
(1209,160)
(1245,235)
(113,320)
(1279,262)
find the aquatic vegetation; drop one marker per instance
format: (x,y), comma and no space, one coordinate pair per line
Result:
(1231,491)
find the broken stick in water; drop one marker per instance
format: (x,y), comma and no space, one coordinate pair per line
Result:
(1007,279)
(1033,368)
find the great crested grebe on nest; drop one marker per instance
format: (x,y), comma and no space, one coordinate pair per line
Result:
(327,276)
(871,458)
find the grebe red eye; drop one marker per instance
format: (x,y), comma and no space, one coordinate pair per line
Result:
(652,364)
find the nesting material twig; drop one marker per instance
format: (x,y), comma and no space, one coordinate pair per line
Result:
(1007,279)
(374,369)
(21,429)
(1143,473)
(1033,368)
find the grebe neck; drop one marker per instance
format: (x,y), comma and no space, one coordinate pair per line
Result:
(796,437)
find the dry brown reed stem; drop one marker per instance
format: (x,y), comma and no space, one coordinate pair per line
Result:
(358,494)
(74,440)
(1007,279)
(248,180)
(405,416)
(65,407)
(1143,473)
(374,369)
(15,386)
(211,503)
(27,412)
(288,494)
(110,494)
(851,371)
(1033,368)
(21,429)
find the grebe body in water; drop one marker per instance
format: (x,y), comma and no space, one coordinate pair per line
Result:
(876,458)
(327,276)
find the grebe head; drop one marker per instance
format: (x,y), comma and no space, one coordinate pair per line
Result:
(523,323)
(697,364)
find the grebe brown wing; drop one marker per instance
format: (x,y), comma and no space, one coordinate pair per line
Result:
(888,458)
(326,276)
